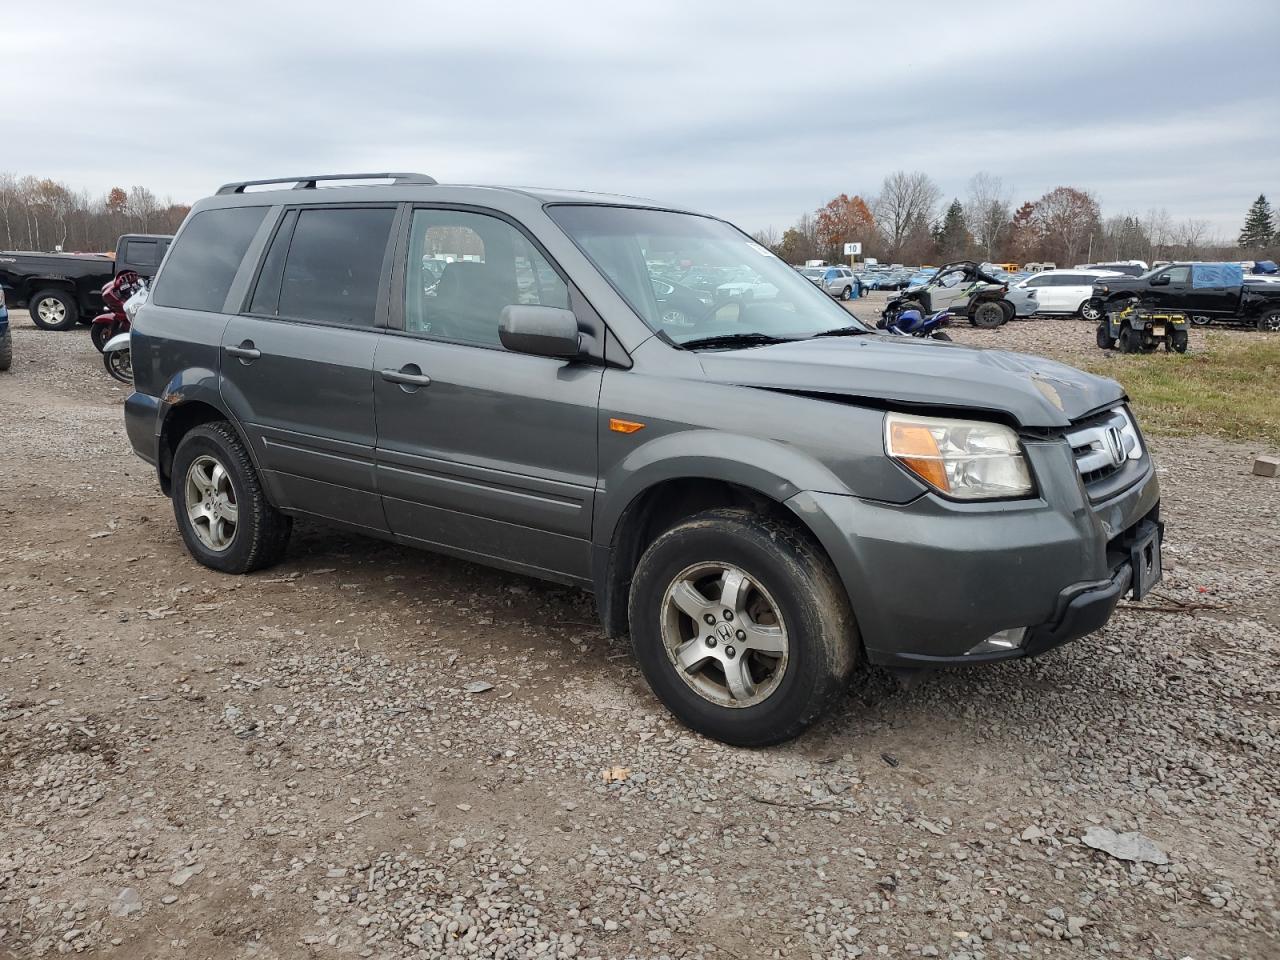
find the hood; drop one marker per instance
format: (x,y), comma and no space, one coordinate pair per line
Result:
(910,372)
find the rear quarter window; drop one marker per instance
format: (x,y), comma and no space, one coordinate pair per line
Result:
(205,258)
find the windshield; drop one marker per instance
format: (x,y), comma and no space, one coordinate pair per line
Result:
(727,285)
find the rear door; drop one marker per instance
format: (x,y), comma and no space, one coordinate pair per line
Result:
(483,452)
(1073,289)
(297,364)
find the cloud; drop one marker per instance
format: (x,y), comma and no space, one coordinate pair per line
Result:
(753,111)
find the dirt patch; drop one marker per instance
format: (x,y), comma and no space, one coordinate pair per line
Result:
(289,764)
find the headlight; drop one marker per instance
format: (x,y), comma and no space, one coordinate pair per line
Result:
(962,459)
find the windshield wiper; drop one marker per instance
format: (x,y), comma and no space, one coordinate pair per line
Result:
(733,340)
(844,332)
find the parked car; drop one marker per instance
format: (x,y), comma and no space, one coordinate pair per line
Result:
(921,277)
(1130,268)
(6,338)
(1065,292)
(61,289)
(1204,291)
(681,306)
(742,495)
(840,282)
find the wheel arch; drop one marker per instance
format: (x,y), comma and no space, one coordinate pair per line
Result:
(658,506)
(33,285)
(183,413)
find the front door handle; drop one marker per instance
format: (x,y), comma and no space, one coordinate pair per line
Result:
(410,377)
(245,351)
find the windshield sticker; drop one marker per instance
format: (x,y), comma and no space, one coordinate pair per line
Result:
(763,251)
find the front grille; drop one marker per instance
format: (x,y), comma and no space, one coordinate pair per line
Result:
(1104,445)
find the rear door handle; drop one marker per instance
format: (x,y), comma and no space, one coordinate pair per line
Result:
(245,351)
(410,377)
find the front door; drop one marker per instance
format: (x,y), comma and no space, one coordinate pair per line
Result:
(1170,293)
(297,366)
(483,452)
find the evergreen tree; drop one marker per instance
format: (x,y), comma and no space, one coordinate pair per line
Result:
(1259,227)
(953,236)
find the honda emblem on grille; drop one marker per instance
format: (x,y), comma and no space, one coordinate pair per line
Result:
(1115,445)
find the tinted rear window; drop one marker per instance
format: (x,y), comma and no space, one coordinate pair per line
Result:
(199,272)
(334,265)
(142,253)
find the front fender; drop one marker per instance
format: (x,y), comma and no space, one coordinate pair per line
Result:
(773,469)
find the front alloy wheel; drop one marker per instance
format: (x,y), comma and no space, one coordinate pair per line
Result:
(724,634)
(741,626)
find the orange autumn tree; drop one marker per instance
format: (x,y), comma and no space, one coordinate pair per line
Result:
(844,219)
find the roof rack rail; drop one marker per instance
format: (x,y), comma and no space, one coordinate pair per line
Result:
(309,183)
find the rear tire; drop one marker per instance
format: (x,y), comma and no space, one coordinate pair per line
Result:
(212,457)
(100,333)
(987,315)
(53,309)
(1105,340)
(790,590)
(1090,310)
(1177,342)
(940,335)
(119,364)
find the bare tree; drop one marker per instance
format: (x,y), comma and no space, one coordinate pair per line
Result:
(906,201)
(1067,218)
(1158,227)
(768,237)
(1189,237)
(8,204)
(142,207)
(988,212)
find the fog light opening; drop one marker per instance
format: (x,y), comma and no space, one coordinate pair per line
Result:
(1001,641)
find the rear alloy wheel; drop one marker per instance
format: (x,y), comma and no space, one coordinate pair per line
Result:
(741,627)
(1269,322)
(988,315)
(53,310)
(1089,310)
(1200,320)
(223,514)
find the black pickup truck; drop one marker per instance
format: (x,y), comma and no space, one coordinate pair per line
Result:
(60,289)
(1204,291)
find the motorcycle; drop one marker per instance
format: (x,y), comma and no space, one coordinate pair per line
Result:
(116,354)
(912,323)
(114,320)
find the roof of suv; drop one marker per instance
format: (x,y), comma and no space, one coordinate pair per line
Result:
(311,188)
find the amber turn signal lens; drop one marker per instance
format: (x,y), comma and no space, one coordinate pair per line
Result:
(624,426)
(917,450)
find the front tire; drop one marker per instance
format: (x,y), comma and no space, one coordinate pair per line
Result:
(741,627)
(846,293)
(1130,340)
(53,309)
(987,315)
(218,501)
(1269,322)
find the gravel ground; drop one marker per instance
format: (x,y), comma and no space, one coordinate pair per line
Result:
(369,751)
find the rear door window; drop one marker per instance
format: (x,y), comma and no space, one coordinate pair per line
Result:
(334,267)
(207,255)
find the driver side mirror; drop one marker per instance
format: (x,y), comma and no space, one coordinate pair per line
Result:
(540,331)
(1160,281)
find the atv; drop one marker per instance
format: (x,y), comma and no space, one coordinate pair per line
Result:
(1141,330)
(962,288)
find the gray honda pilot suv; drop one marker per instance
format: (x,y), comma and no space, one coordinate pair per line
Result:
(640,401)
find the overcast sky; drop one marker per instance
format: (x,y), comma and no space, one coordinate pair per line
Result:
(752,111)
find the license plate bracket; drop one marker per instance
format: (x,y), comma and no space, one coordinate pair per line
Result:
(1144,558)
